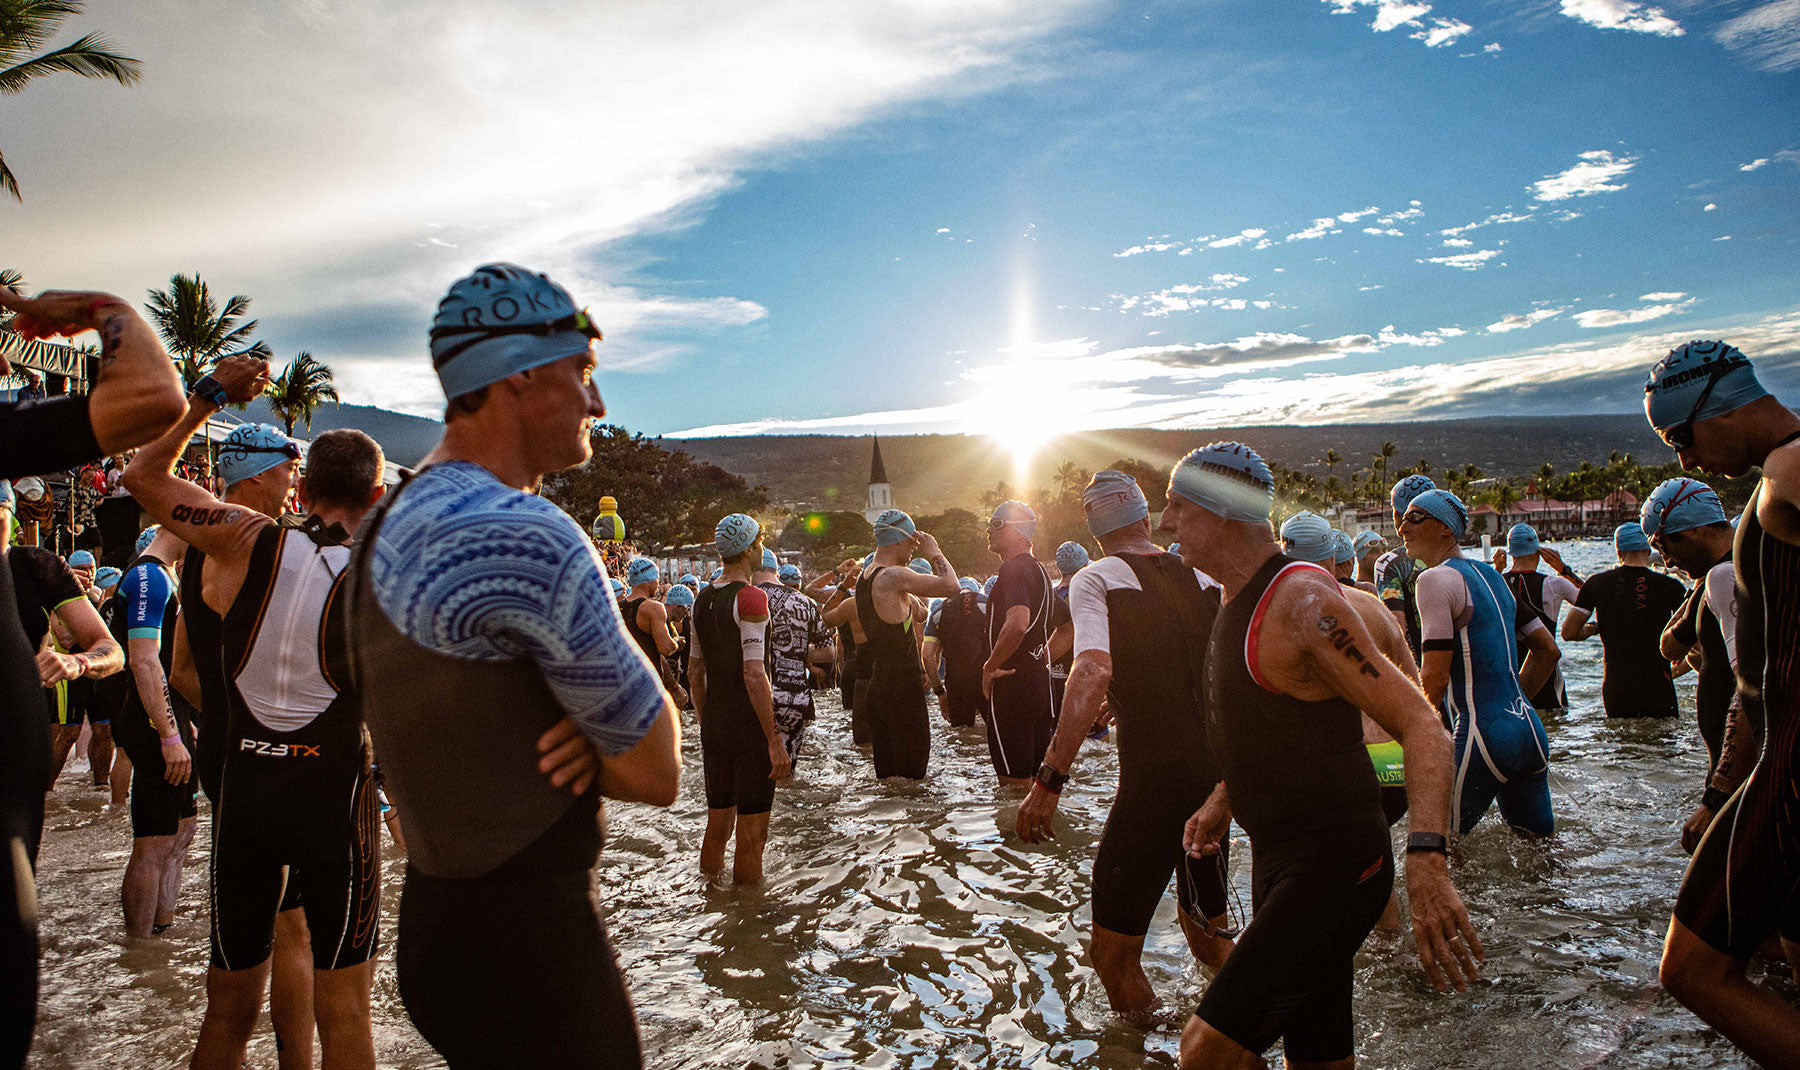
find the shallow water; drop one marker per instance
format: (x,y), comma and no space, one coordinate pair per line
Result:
(904,926)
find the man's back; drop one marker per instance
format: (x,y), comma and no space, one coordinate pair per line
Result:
(1633,604)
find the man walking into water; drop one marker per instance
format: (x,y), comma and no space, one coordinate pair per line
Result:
(503,695)
(1023,613)
(1634,603)
(1543,594)
(1471,630)
(740,747)
(1288,666)
(798,640)
(1743,885)
(1142,620)
(886,608)
(295,798)
(1688,526)
(1397,571)
(956,637)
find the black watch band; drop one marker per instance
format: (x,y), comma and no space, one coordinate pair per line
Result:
(1052,780)
(1428,841)
(210,389)
(1714,799)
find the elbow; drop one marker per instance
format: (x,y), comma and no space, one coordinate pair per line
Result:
(663,790)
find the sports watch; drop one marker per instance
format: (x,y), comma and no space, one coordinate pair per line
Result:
(1427,841)
(1052,780)
(210,389)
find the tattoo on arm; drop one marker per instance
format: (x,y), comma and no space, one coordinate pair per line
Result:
(1339,637)
(112,335)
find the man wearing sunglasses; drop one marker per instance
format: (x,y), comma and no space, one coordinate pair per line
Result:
(1028,626)
(1744,882)
(1289,665)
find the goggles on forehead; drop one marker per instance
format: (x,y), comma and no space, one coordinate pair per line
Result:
(996,523)
(579,322)
(1416,516)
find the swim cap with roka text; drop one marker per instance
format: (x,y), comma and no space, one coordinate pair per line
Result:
(1678,505)
(735,534)
(679,595)
(1307,536)
(252,449)
(146,537)
(1113,500)
(503,319)
(1342,549)
(642,570)
(1071,557)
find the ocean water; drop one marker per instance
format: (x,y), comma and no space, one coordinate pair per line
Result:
(906,926)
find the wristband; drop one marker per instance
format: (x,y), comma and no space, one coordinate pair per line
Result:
(170,741)
(82,660)
(1052,780)
(1420,842)
(210,389)
(1714,799)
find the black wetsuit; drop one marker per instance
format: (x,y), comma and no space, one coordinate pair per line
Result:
(498,930)
(899,720)
(1744,881)
(963,645)
(733,749)
(203,636)
(862,660)
(157,806)
(41,582)
(1158,638)
(295,790)
(1302,786)
(1633,604)
(645,641)
(1023,716)
(1697,626)
(1528,591)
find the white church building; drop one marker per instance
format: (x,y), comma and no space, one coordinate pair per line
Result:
(881,496)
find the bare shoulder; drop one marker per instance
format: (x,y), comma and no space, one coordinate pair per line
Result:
(1778,509)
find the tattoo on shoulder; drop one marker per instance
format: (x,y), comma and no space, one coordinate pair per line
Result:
(1340,638)
(112,335)
(204,517)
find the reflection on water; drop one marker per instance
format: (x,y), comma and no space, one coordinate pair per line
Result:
(903,925)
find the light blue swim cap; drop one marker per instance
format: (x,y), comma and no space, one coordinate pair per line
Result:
(1678,379)
(1678,505)
(503,319)
(790,574)
(921,566)
(1017,514)
(1342,549)
(1629,538)
(252,449)
(106,576)
(1307,536)
(968,584)
(7,498)
(1366,541)
(735,534)
(717,573)
(988,587)
(146,537)
(1522,540)
(769,561)
(1113,500)
(1071,557)
(679,595)
(892,526)
(1174,548)
(1228,479)
(81,559)
(690,579)
(642,570)
(1407,489)
(618,586)
(1444,506)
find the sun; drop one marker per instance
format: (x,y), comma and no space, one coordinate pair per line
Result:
(1021,411)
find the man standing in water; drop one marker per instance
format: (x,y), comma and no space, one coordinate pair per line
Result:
(1543,594)
(1142,619)
(1635,603)
(957,638)
(1687,524)
(1023,613)
(1288,666)
(1471,630)
(740,747)
(1397,572)
(798,639)
(500,688)
(886,609)
(1744,882)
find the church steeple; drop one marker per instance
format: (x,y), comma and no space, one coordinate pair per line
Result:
(877,470)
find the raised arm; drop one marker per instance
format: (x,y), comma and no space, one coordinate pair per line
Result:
(942,581)
(100,654)
(221,531)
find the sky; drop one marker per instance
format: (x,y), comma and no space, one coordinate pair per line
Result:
(1018,218)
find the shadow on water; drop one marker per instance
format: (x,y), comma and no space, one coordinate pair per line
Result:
(902,925)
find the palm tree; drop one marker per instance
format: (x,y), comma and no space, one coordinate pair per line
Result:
(300,388)
(1505,497)
(1331,460)
(1071,479)
(1381,459)
(198,333)
(24,26)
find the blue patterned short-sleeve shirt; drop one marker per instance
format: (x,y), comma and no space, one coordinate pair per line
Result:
(470,567)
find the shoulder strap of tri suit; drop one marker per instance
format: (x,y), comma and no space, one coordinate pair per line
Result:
(358,571)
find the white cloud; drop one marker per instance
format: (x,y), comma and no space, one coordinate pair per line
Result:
(1403,214)
(1710,208)
(1623,15)
(1491,48)
(1389,14)
(1508,216)
(1768,37)
(1465,261)
(1373,286)
(1761,161)
(1614,317)
(1386,231)
(1185,297)
(1153,247)
(1675,295)
(1442,33)
(1458,243)
(1247,235)
(1598,172)
(1723,237)
(1319,229)
(943,230)
(1351,217)
(1522,321)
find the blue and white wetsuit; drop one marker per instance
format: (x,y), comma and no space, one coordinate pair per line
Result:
(1501,750)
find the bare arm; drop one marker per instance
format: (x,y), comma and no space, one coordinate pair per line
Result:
(1541,656)
(81,620)
(658,616)
(934,652)
(650,772)
(697,678)
(1575,626)
(1018,618)
(1088,681)
(1061,640)
(184,676)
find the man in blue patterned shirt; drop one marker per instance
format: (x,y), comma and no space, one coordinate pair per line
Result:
(504,695)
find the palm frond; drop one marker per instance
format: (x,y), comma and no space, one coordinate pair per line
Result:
(87,57)
(26,24)
(8,182)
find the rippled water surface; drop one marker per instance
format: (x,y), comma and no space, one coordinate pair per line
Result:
(903,925)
